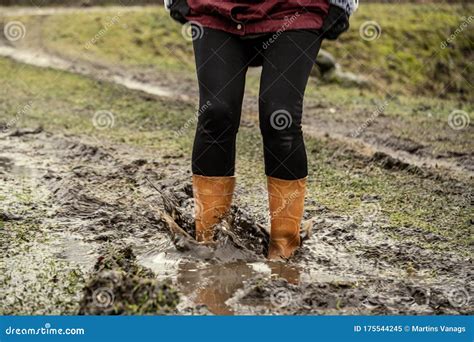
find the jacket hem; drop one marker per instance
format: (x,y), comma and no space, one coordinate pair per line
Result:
(304,21)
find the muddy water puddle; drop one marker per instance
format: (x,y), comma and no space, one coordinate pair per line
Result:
(225,285)
(214,284)
(206,284)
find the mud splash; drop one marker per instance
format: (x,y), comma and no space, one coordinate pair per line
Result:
(101,205)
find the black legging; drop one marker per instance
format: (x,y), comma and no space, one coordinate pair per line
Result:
(222,60)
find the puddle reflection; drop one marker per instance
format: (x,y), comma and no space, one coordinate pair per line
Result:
(213,285)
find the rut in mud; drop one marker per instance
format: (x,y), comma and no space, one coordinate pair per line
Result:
(121,220)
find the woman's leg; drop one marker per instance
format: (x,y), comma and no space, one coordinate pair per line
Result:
(287,63)
(221,63)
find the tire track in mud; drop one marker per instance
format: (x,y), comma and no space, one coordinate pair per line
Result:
(101,204)
(44,60)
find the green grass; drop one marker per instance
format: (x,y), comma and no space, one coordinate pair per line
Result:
(145,38)
(408,55)
(66,102)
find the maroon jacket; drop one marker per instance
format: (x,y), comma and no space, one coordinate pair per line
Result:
(244,17)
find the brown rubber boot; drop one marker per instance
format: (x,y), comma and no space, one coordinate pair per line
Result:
(212,197)
(286,201)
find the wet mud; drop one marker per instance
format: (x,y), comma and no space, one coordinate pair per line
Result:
(122,220)
(377,138)
(118,285)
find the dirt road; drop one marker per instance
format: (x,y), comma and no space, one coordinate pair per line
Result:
(89,220)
